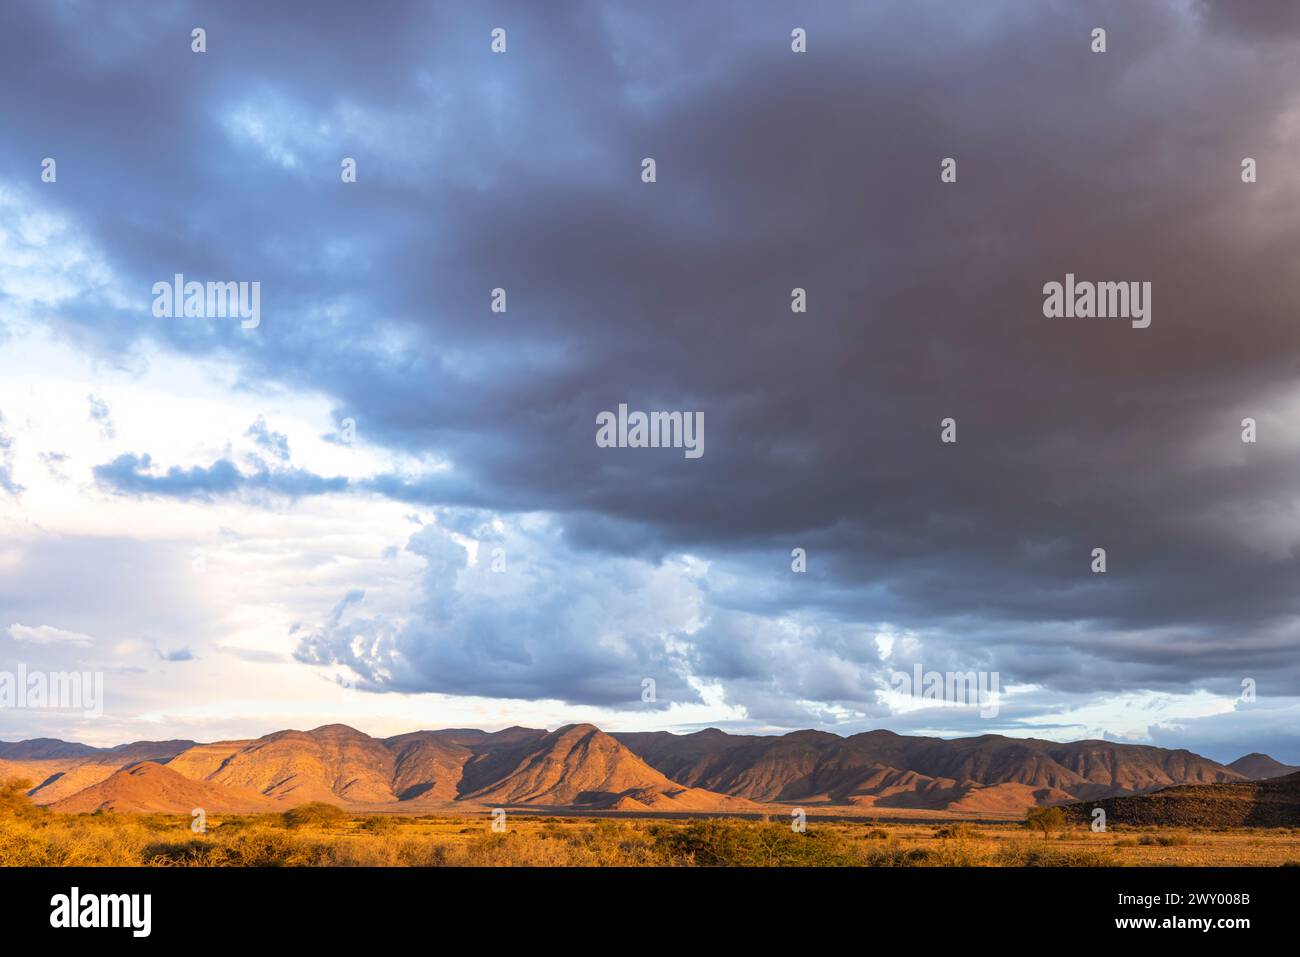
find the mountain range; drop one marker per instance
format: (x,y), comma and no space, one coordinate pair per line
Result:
(580,767)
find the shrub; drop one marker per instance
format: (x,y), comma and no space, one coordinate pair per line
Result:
(893,854)
(315,814)
(960,832)
(15,803)
(1034,854)
(717,843)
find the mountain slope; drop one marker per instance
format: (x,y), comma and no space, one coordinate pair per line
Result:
(582,767)
(340,765)
(58,769)
(428,765)
(1259,767)
(155,788)
(1271,803)
(805,765)
(333,763)
(579,765)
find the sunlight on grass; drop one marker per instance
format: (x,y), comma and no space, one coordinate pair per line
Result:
(322,835)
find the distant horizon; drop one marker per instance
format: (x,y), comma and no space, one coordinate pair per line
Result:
(662,367)
(616,732)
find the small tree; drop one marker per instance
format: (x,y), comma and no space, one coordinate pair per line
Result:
(1045,819)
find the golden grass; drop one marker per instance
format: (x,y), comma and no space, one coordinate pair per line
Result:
(35,836)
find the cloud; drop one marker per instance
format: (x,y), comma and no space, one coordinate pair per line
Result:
(1268,726)
(1262,21)
(54,462)
(48,635)
(548,626)
(7,482)
(517,614)
(776,170)
(129,474)
(100,412)
(277,443)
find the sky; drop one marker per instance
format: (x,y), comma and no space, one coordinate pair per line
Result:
(384,503)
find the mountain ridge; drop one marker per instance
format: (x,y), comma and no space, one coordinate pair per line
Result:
(581,766)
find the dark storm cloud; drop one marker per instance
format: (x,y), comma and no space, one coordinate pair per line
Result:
(1261,20)
(775,170)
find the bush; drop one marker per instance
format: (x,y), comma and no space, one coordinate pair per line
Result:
(315,814)
(960,832)
(379,824)
(716,843)
(14,801)
(1034,854)
(251,847)
(893,854)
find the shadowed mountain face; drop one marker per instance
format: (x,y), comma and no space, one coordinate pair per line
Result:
(576,764)
(580,766)
(1271,803)
(430,765)
(810,765)
(51,748)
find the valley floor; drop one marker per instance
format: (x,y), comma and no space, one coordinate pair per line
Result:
(39,838)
